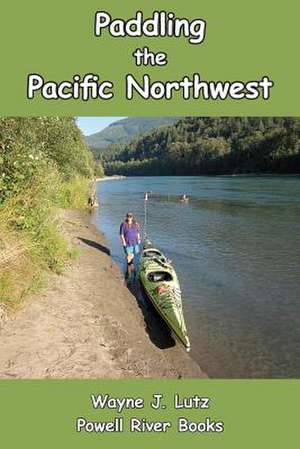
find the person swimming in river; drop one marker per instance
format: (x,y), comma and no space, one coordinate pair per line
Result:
(130,238)
(184,198)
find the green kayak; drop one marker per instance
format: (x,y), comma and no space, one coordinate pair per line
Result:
(161,286)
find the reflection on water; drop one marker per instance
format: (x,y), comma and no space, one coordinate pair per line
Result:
(236,249)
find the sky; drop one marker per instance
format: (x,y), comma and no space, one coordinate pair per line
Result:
(91,125)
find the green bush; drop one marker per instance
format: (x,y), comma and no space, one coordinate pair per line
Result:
(44,165)
(74,193)
(99,170)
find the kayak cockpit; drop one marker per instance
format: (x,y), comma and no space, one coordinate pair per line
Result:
(160,276)
(151,252)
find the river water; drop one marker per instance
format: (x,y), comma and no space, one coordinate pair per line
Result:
(236,250)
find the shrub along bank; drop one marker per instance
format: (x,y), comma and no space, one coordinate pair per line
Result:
(45,165)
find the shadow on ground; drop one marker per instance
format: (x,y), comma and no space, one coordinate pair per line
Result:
(95,245)
(156,328)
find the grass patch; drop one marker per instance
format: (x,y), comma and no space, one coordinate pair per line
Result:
(44,165)
(74,193)
(20,272)
(32,238)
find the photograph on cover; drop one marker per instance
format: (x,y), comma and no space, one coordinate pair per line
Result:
(149,247)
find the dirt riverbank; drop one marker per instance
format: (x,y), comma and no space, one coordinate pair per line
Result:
(87,324)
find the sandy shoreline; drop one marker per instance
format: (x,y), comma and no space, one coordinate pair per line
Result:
(110,178)
(87,324)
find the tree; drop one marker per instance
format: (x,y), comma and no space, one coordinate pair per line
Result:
(99,170)
(207,145)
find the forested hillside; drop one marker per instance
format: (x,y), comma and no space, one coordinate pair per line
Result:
(44,165)
(196,146)
(124,131)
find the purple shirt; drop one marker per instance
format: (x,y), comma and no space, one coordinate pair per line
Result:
(130,233)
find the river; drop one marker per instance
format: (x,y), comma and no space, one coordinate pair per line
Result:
(236,249)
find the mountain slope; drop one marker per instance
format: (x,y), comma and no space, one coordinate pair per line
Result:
(123,131)
(223,145)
